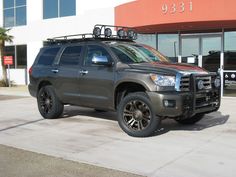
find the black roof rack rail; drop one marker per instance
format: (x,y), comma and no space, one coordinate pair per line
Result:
(100,32)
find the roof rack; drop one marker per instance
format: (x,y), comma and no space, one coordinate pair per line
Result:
(100,32)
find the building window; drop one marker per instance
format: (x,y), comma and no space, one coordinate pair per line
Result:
(230,51)
(229,77)
(168,45)
(19,53)
(58,8)
(14,13)
(148,39)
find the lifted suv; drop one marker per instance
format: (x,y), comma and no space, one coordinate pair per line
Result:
(113,73)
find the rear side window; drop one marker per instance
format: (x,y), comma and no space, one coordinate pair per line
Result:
(48,55)
(71,55)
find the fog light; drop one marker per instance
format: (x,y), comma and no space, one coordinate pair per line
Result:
(169,103)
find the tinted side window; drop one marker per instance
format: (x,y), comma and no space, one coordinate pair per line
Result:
(93,51)
(48,56)
(71,55)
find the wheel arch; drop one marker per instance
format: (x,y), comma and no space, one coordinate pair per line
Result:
(43,83)
(126,87)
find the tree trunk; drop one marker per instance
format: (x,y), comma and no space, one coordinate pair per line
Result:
(4,72)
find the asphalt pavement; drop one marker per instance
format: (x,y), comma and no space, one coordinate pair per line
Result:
(20,163)
(85,136)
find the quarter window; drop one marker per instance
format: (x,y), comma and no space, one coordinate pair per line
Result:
(71,56)
(14,13)
(47,56)
(58,8)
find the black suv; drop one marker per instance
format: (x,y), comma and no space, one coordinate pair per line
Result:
(113,73)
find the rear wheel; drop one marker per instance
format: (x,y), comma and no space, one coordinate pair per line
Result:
(136,115)
(191,120)
(49,105)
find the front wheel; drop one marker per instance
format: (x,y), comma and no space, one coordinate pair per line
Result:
(136,115)
(191,120)
(49,105)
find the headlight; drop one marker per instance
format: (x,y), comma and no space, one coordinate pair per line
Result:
(163,81)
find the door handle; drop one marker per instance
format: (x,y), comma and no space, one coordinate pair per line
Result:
(55,70)
(83,72)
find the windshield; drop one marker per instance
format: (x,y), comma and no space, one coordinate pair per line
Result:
(136,53)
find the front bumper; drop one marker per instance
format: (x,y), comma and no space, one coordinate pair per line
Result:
(186,104)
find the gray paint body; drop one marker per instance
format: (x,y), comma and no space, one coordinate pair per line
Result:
(96,89)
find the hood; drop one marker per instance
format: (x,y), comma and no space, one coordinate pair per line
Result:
(169,68)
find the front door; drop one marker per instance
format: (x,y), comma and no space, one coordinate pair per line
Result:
(96,81)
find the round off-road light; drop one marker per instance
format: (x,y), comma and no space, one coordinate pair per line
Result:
(107,32)
(97,32)
(121,33)
(217,82)
(200,84)
(132,34)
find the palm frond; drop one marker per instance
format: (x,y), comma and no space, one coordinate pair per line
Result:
(4,35)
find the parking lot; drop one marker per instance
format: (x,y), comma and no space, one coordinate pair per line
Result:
(206,149)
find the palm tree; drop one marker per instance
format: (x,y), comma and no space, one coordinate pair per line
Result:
(4,37)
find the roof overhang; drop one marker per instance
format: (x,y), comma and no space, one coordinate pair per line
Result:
(162,16)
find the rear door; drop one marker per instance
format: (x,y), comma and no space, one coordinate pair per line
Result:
(96,81)
(67,72)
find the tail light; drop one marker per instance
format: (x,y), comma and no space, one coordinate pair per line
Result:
(30,70)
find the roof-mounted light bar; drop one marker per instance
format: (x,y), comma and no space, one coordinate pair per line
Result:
(100,31)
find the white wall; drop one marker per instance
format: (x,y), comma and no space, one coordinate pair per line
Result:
(88,13)
(18,76)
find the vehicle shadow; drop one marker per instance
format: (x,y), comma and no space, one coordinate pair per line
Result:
(71,111)
(209,120)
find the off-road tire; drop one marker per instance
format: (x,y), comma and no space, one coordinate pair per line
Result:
(136,108)
(49,105)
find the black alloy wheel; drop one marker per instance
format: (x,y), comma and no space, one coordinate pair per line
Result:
(136,115)
(45,100)
(49,105)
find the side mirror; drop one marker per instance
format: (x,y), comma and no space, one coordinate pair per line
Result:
(101,60)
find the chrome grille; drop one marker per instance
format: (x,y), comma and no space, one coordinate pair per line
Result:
(184,83)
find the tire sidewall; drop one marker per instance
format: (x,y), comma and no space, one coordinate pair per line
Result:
(154,122)
(57,107)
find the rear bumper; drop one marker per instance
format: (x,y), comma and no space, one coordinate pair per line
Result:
(186,104)
(32,90)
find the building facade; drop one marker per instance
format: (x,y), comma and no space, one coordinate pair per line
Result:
(198,32)
(33,21)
